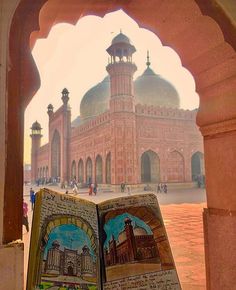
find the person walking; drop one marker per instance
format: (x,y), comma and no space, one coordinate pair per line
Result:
(25,220)
(165,188)
(32,198)
(158,188)
(90,189)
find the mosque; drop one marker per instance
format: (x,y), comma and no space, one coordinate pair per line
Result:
(130,131)
(133,244)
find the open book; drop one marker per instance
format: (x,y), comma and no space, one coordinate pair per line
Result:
(117,244)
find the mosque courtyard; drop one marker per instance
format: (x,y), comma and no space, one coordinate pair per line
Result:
(182,213)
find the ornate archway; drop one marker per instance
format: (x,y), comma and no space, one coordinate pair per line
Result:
(56,155)
(197,165)
(150,167)
(207,52)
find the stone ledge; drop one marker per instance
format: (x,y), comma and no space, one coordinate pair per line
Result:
(218,128)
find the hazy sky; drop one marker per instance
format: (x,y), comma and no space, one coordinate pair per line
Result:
(75,57)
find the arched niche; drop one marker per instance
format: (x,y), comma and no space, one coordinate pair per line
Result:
(89,170)
(81,171)
(150,167)
(73,170)
(98,168)
(197,165)
(108,168)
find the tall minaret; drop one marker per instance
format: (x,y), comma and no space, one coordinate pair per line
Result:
(122,108)
(121,70)
(36,143)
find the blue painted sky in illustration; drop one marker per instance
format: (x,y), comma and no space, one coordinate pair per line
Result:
(69,236)
(116,225)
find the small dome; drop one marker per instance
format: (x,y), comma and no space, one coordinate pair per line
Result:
(36,126)
(120,38)
(138,231)
(96,100)
(152,90)
(65,91)
(55,244)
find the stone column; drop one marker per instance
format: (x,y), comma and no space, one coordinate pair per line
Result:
(220,216)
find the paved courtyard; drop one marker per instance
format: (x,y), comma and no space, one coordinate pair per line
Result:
(182,214)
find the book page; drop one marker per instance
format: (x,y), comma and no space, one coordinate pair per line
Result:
(64,249)
(136,251)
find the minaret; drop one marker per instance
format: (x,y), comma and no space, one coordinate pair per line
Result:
(36,143)
(122,108)
(121,70)
(65,175)
(132,249)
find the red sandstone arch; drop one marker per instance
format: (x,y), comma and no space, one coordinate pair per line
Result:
(207,50)
(180,24)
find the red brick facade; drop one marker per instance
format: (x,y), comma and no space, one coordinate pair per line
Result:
(130,142)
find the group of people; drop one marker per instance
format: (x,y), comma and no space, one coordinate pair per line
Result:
(162,187)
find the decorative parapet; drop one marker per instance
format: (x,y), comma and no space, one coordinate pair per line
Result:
(97,121)
(163,112)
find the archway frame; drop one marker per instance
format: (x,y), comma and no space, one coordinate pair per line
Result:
(207,53)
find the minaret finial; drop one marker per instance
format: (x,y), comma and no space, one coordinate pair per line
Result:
(148,61)
(120,30)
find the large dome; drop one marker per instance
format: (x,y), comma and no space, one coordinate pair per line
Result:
(96,100)
(151,89)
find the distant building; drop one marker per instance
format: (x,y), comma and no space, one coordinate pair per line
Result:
(27,173)
(69,262)
(128,131)
(133,244)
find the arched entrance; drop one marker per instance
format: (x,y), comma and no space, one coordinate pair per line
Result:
(98,165)
(197,165)
(108,168)
(175,167)
(70,270)
(56,155)
(81,171)
(73,170)
(89,170)
(150,167)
